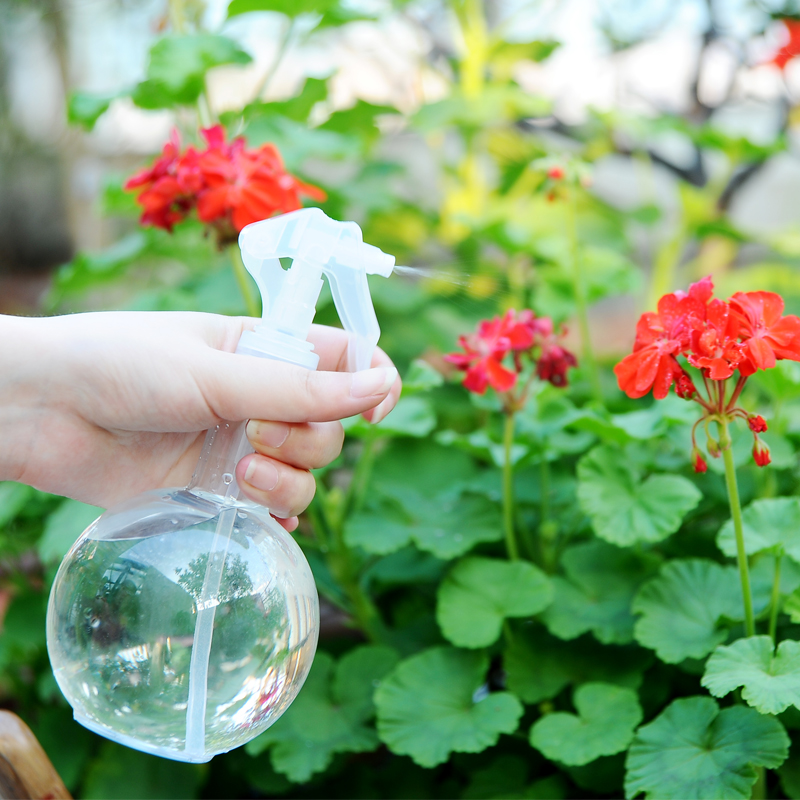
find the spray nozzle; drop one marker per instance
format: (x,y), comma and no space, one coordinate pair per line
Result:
(316,244)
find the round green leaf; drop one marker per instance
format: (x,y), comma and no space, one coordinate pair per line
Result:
(681,608)
(329,715)
(446,526)
(604,725)
(768,523)
(178,65)
(597,594)
(771,682)
(625,508)
(430,706)
(538,666)
(479,593)
(694,751)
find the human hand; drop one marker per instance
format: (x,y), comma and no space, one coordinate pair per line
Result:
(100,407)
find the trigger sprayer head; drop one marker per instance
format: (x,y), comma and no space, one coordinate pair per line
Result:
(316,244)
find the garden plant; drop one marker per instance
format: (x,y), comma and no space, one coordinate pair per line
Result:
(553,570)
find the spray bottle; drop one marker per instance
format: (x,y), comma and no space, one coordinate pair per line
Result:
(183,622)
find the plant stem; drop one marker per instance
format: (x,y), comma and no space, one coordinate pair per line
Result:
(273,67)
(736,515)
(580,297)
(360,481)
(243,280)
(508,488)
(775,599)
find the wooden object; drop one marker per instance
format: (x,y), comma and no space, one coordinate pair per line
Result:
(25,770)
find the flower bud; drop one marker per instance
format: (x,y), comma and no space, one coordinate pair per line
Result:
(698,462)
(761,453)
(555,173)
(684,387)
(713,448)
(757,423)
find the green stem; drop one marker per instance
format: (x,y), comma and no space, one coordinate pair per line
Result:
(177,18)
(775,599)
(360,481)
(243,280)
(544,487)
(580,297)
(736,515)
(273,67)
(508,488)
(760,786)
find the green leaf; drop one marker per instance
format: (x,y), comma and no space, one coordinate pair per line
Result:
(681,609)
(479,593)
(694,750)
(68,745)
(431,706)
(770,681)
(601,581)
(292,8)
(626,508)
(177,67)
(119,773)
(329,714)
(421,377)
(63,527)
(445,526)
(412,416)
(538,666)
(496,104)
(607,716)
(13,498)
(769,523)
(85,109)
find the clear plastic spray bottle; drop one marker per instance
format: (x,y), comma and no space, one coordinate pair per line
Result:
(183,622)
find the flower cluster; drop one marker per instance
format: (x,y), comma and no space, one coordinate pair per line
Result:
(229,185)
(791,47)
(516,336)
(741,335)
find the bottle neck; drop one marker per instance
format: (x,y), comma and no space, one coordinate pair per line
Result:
(227,443)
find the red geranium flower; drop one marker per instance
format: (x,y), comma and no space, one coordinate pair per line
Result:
(767,336)
(745,333)
(485,350)
(243,186)
(660,336)
(169,186)
(714,344)
(554,359)
(229,185)
(791,48)
(520,335)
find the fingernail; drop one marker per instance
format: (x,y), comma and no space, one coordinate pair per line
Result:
(270,434)
(372,381)
(261,474)
(380,412)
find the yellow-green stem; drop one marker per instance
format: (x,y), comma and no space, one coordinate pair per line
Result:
(246,286)
(736,516)
(775,599)
(508,488)
(579,291)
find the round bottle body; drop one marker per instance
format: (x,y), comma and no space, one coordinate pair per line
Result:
(181,625)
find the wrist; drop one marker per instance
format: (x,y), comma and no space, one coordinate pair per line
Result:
(21,395)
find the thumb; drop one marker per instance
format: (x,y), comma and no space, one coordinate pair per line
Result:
(239,387)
